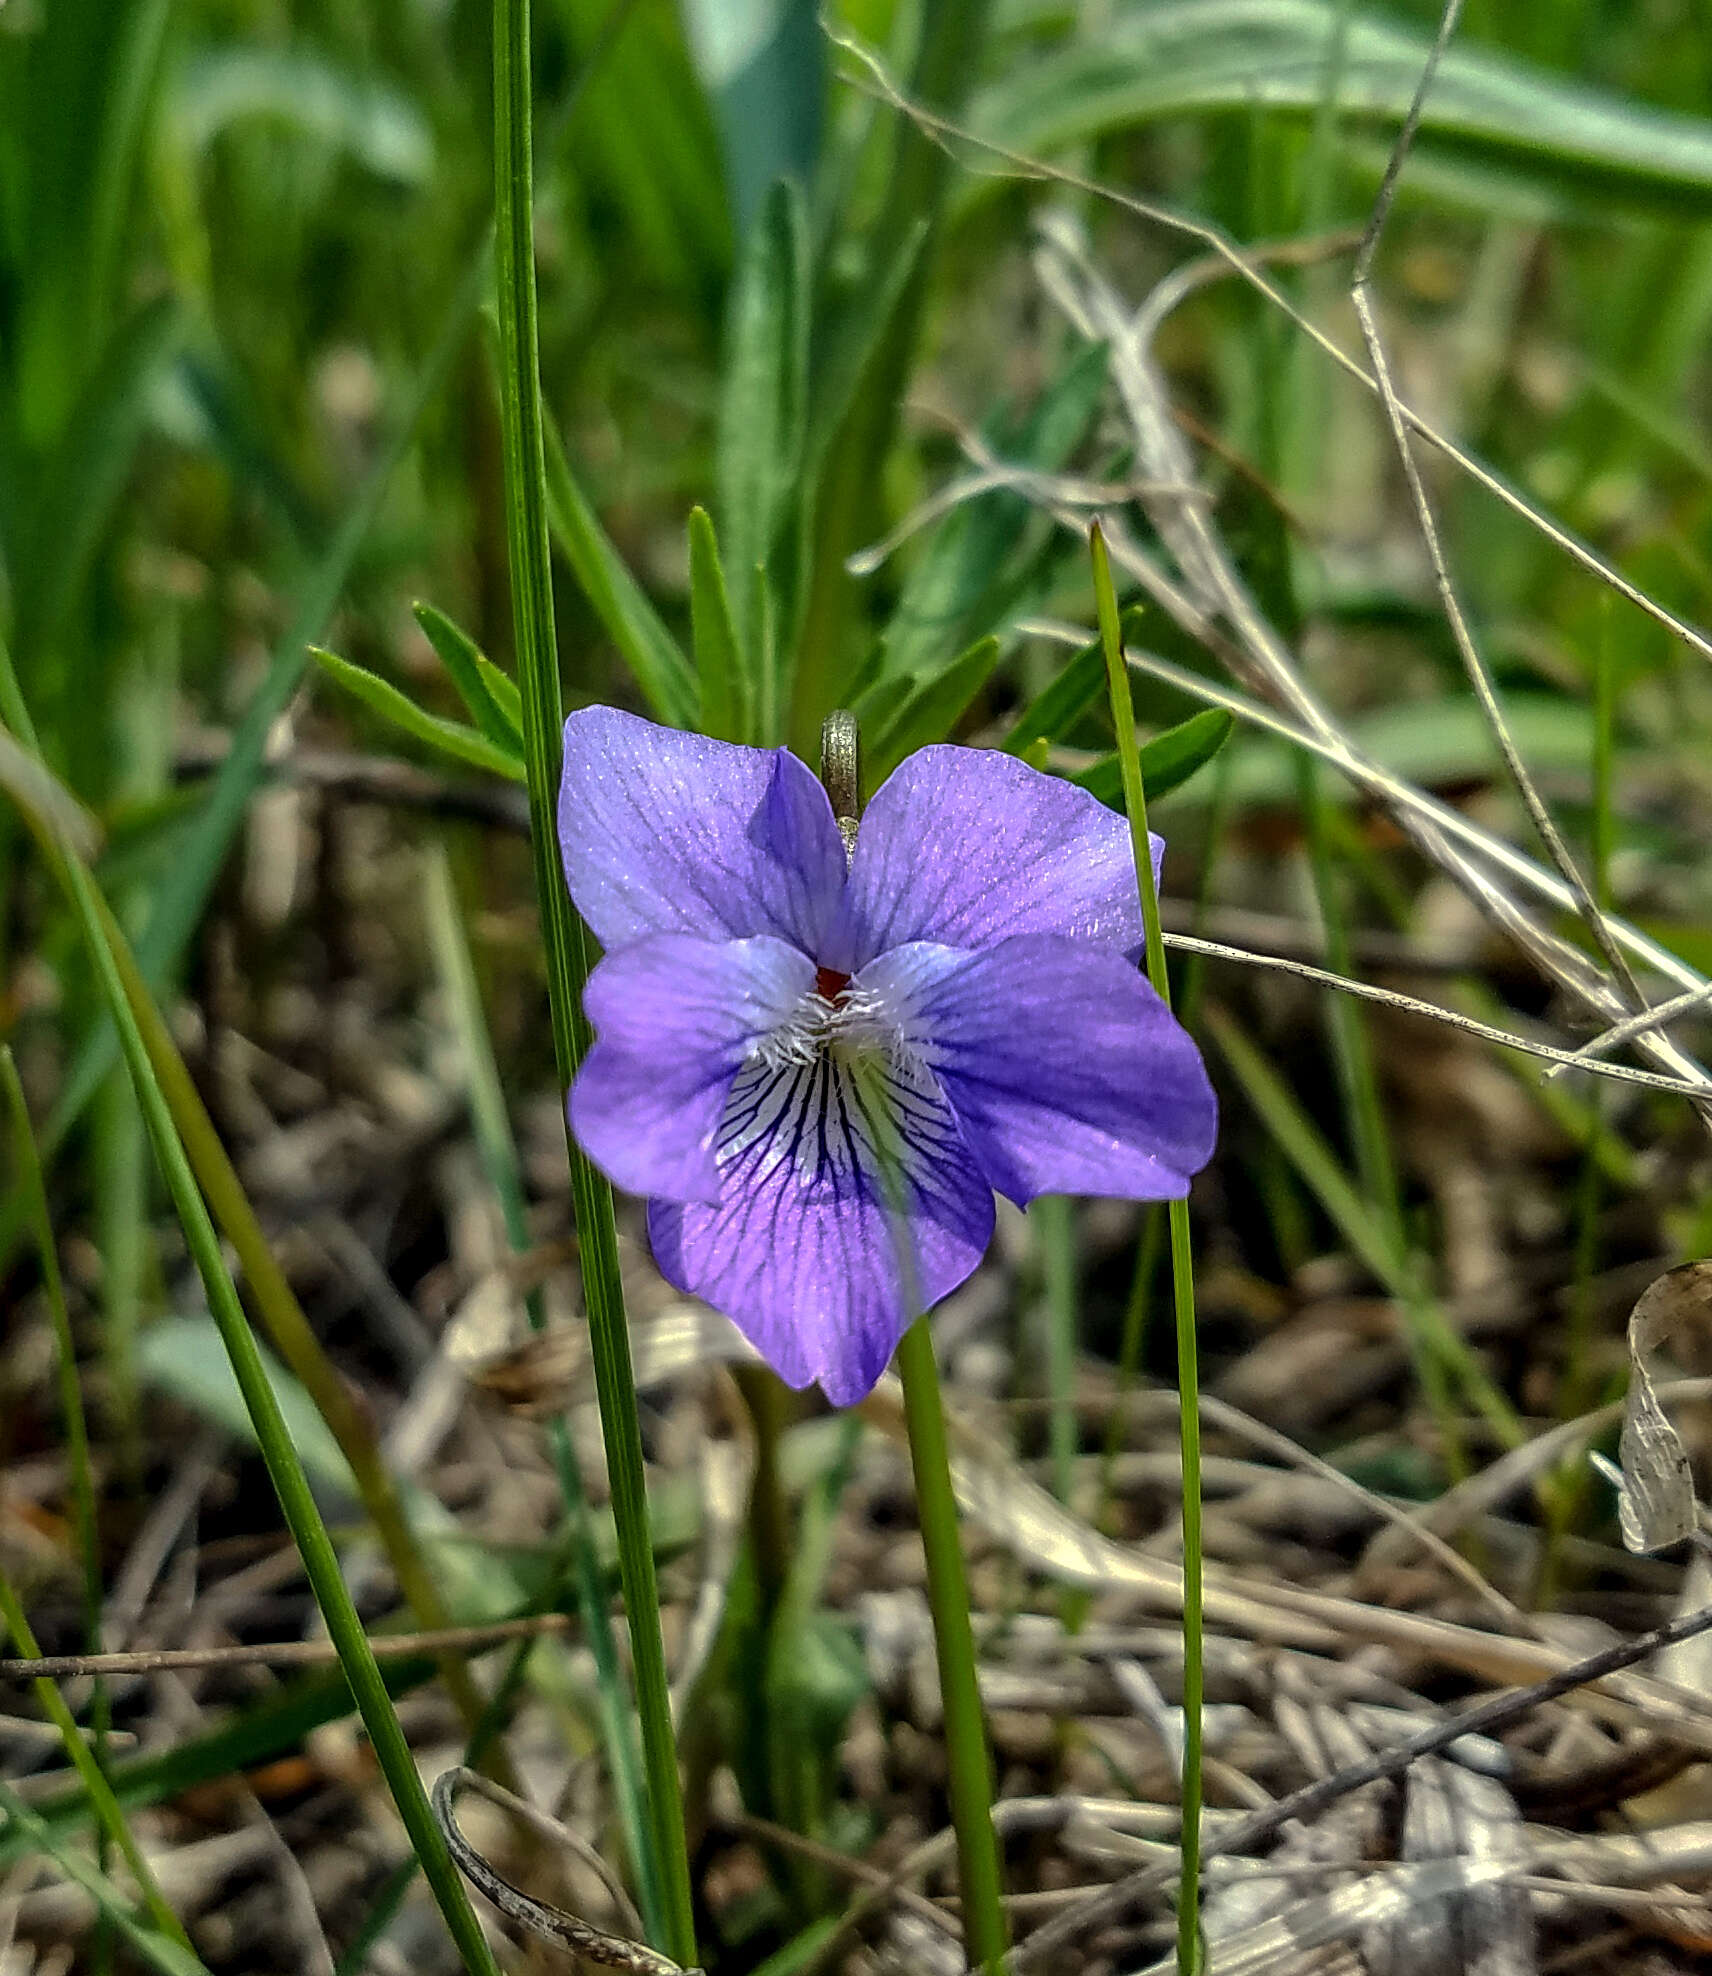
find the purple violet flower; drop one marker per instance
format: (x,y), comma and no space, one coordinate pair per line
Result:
(789,1040)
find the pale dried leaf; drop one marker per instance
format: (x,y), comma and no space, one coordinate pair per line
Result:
(1655,1504)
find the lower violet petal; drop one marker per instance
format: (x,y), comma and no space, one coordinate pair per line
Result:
(1066,1071)
(676,1017)
(801,1250)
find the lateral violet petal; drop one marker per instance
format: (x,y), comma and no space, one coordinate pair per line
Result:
(968,846)
(1066,1071)
(800,1250)
(665,832)
(675,1018)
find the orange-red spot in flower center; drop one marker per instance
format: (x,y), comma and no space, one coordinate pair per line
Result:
(829,984)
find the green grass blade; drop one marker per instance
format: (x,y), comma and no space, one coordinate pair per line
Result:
(763,410)
(1189,1954)
(108,1815)
(1195,57)
(528,495)
(447,737)
(970,1761)
(656,661)
(729,682)
(169,1953)
(320,1561)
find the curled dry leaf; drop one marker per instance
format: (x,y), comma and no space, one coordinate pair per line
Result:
(1655,1501)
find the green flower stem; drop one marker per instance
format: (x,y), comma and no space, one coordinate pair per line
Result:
(291,1485)
(984,1933)
(567,945)
(1183,1290)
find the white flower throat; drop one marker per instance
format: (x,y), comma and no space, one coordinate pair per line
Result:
(834,1020)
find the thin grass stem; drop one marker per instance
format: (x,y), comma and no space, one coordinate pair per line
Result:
(168,1953)
(566,943)
(1182,1287)
(109,1815)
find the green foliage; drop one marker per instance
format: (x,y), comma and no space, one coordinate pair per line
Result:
(1167,760)
(241,417)
(1237,57)
(449,737)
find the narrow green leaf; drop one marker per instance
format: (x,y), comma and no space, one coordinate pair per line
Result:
(1255,56)
(653,655)
(726,679)
(1167,761)
(447,737)
(1053,711)
(90,468)
(967,583)
(762,407)
(492,698)
(764,67)
(930,708)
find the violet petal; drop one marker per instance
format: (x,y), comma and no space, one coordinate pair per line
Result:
(968,846)
(675,1018)
(801,1250)
(1066,1071)
(664,832)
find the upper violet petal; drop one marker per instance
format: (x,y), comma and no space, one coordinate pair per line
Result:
(665,832)
(1066,1071)
(968,846)
(675,1019)
(801,1250)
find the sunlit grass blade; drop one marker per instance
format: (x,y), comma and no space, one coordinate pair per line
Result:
(275,1299)
(320,1560)
(1183,1291)
(763,422)
(566,942)
(109,1817)
(171,1954)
